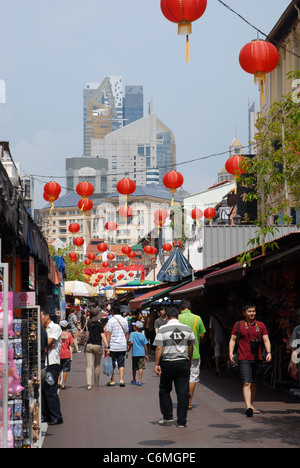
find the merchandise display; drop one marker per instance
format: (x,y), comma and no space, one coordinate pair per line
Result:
(23,377)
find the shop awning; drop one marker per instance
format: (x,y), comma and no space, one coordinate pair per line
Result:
(151,296)
(233,272)
(192,286)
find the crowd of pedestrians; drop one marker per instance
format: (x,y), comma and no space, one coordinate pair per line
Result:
(173,335)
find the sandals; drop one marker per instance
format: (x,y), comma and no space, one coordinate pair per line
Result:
(139,383)
(89,387)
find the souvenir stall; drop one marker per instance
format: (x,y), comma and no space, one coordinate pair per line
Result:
(20,372)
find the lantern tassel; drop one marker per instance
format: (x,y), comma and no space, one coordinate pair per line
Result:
(52,207)
(187,52)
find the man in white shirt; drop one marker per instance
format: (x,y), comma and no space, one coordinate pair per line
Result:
(50,399)
(117,339)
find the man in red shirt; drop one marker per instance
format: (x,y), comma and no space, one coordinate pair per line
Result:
(252,336)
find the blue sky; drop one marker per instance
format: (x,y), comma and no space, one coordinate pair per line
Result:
(51,48)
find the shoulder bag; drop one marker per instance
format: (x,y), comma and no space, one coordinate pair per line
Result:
(83,336)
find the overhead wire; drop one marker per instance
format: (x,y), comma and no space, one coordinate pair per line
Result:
(279,44)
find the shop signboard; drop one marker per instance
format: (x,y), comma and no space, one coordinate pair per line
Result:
(24,299)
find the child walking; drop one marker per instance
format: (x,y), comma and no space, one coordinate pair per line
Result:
(67,342)
(139,344)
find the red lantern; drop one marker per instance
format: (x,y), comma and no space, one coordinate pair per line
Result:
(148,249)
(209,214)
(131,254)
(161,215)
(52,190)
(85,189)
(120,276)
(167,247)
(120,265)
(154,251)
(177,244)
(131,274)
(258,58)
(74,227)
(126,250)
(126,186)
(91,256)
(85,204)
(196,214)
(110,256)
(125,211)
(173,180)
(102,247)
(234,165)
(78,241)
(183,12)
(111,226)
(105,264)
(100,277)
(104,284)
(72,255)
(87,261)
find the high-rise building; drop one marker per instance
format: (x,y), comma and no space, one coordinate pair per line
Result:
(133,104)
(102,110)
(144,150)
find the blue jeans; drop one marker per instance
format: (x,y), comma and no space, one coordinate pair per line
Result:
(179,373)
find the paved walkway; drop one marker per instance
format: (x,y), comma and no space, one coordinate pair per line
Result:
(128,417)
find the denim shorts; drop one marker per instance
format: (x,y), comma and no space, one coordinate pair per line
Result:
(118,357)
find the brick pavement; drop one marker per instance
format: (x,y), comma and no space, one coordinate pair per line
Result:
(128,417)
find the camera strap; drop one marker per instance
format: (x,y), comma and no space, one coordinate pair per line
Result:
(257,330)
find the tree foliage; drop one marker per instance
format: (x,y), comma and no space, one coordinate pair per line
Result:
(273,175)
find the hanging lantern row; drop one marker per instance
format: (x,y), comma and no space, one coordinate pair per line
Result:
(183,12)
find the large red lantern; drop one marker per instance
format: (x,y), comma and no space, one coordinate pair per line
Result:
(148,249)
(74,227)
(78,241)
(85,189)
(91,256)
(111,226)
(234,165)
(167,247)
(105,264)
(173,180)
(102,247)
(209,214)
(126,187)
(126,249)
(52,190)
(87,261)
(258,58)
(183,12)
(85,204)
